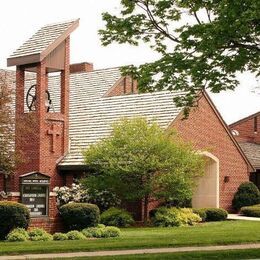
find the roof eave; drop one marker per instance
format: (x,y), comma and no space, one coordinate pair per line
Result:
(28,59)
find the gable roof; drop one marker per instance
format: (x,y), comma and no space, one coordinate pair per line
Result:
(42,43)
(252,151)
(244,119)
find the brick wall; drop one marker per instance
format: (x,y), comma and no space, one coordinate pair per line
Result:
(246,129)
(204,129)
(124,86)
(81,67)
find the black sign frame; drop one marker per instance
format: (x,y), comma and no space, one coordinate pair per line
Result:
(35,179)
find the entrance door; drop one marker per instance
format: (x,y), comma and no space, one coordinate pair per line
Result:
(206,193)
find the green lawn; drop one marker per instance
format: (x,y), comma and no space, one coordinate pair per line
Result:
(228,232)
(231,254)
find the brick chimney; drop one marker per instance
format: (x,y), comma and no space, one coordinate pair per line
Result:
(81,67)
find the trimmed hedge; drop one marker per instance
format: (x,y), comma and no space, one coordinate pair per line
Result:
(116,217)
(201,213)
(213,214)
(247,195)
(251,211)
(39,234)
(12,215)
(77,216)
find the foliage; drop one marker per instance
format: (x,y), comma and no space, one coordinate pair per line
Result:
(77,216)
(60,236)
(251,211)
(201,213)
(116,217)
(101,231)
(39,234)
(77,193)
(141,160)
(214,214)
(74,194)
(17,235)
(201,44)
(12,215)
(246,195)
(75,235)
(171,217)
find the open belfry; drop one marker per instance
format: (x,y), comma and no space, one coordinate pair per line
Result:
(43,138)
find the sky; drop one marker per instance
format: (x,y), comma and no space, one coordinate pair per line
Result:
(19,20)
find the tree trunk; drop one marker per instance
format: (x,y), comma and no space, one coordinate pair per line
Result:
(146,204)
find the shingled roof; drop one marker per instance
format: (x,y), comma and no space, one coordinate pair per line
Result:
(91,113)
(252,151)
(42,43)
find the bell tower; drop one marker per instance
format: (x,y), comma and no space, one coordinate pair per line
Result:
(42,77)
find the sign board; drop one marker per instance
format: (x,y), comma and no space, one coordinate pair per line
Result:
(35,193)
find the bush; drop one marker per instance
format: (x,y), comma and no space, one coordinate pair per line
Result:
(75,235)
(39,234)
(201,213)
(17,234)
(116,217)
(174,217)
(101,231)
(251,211)
(77,216)
(12,215)
(60,236)
(93,232)
(112,231)
(215,214)
(246,195)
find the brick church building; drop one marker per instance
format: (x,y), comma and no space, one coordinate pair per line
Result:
(72,106)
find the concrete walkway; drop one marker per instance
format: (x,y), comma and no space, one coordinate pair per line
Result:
(133,252)
(240,217)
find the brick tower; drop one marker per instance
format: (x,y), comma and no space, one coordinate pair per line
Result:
(41,134)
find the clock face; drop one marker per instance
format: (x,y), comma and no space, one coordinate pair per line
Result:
(31,99)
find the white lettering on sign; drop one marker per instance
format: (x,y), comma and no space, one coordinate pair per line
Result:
(31,199)
(30,206)
(36,213)
(40,206)
(30,195)
(43,195)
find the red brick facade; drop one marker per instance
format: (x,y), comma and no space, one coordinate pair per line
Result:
(207,132)
(124,86)
(247,129)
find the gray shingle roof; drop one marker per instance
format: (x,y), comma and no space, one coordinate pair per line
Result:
(42,39)
(91,114)
(252,151)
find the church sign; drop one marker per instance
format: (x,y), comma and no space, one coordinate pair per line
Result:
(35,193)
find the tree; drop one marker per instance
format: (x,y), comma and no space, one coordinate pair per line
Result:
(202,44)
(7,153)
(142,161)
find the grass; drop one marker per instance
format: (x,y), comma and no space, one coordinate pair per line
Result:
(217,233)
(231,254)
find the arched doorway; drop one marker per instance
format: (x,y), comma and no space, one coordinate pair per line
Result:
(206,193)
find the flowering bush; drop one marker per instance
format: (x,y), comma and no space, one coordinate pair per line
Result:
(77,193)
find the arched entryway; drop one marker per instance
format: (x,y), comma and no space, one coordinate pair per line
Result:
(206,193)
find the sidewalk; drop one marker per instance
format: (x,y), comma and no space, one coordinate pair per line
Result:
(239,217)
(132,252)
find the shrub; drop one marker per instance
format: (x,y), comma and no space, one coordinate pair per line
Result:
(116,217)
(77,216)
(112,231)
(60,236)
(15,237)
(75,235)
(174,217)
(17,234)
(251,211)
(246,195)
(12,215)
(101,231)
(215,214)
(39,234)
(93,232)
(201,213)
